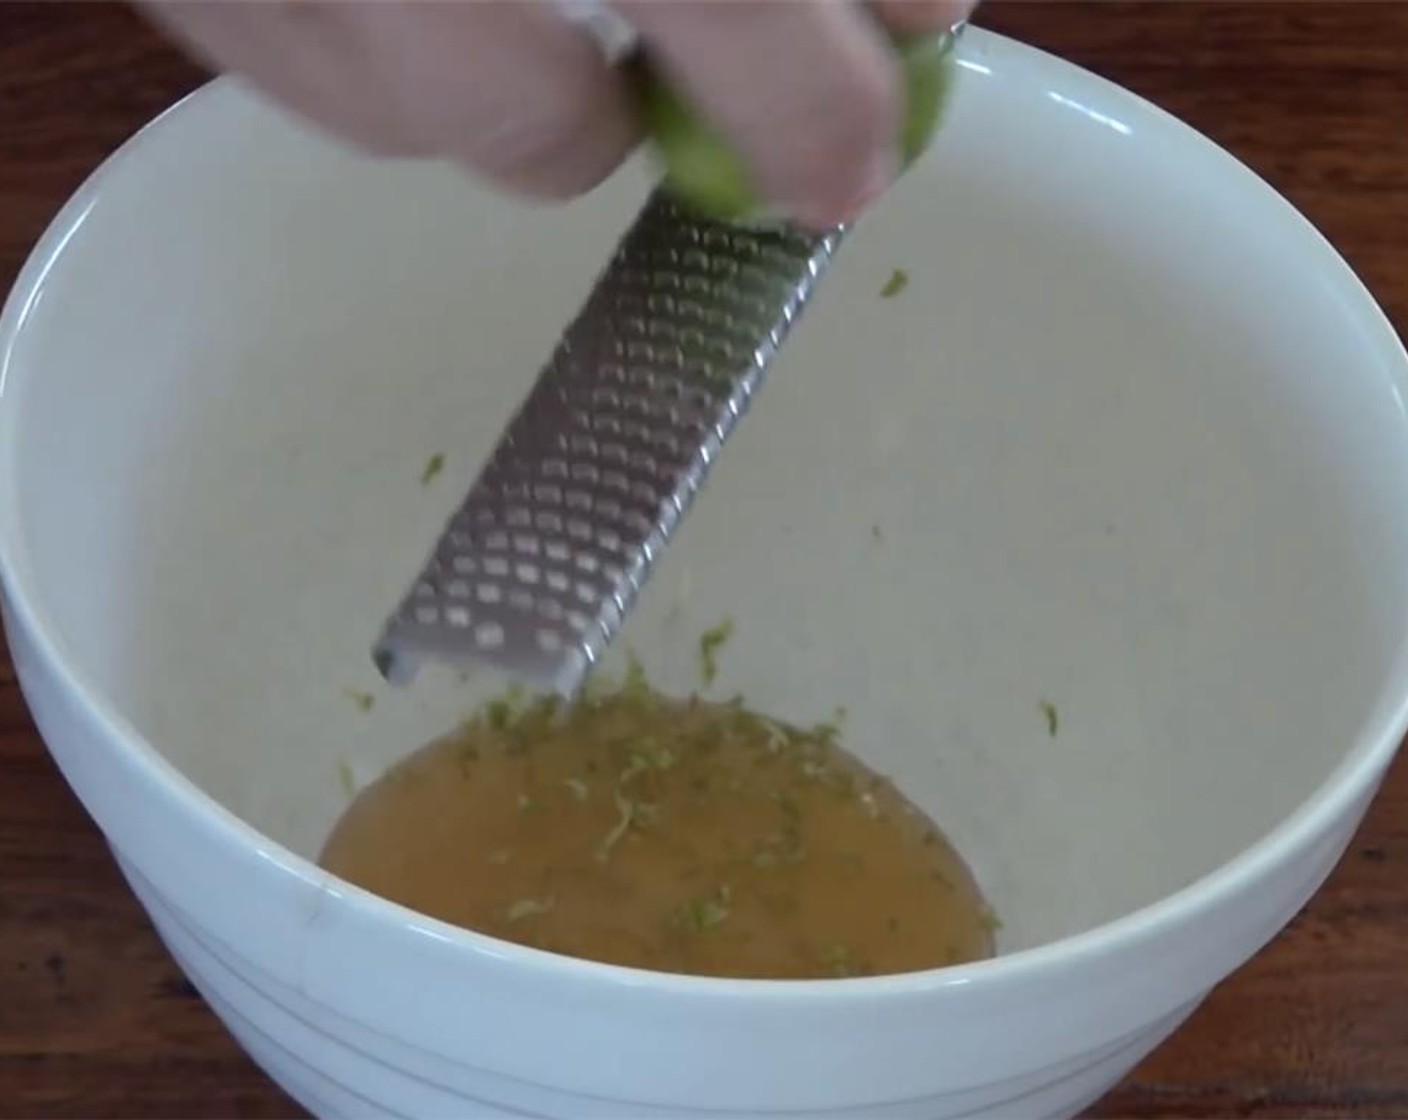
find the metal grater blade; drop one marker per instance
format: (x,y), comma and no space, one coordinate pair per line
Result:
(537,569)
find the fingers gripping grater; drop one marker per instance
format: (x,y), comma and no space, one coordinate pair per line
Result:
(538,567)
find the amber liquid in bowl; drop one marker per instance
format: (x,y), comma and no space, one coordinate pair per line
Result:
(684,836)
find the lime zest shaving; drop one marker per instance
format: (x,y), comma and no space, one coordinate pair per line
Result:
(637,684)
(838,959)
(626,810)
(433,466)
(898,281)
(699,915)
(710,642)
(1052,717)
(529,908)
(365,701)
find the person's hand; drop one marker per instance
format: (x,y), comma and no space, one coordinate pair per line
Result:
(807,90)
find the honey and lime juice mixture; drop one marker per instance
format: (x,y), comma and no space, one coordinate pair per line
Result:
(679,835)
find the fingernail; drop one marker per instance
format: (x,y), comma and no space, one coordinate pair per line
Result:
(883,170)
(877,181)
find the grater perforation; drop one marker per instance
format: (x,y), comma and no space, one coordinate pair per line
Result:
(539,566)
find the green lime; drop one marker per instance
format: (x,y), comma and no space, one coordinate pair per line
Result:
(928,63)
(701,166)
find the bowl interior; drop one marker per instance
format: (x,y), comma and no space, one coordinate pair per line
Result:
(1130,443)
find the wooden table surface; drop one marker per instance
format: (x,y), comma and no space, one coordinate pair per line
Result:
(95,1020)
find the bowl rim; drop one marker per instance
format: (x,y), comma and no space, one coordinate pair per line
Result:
(1357,772)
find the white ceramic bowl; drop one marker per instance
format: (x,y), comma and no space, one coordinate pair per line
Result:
(1134,442)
